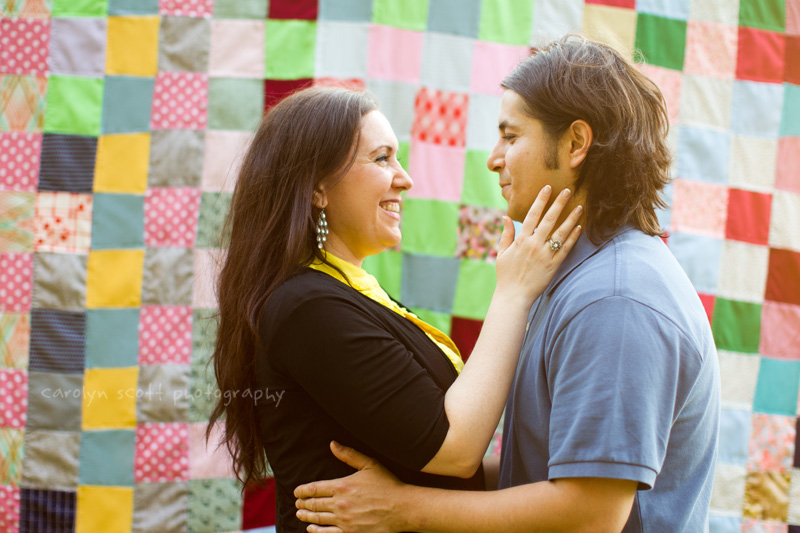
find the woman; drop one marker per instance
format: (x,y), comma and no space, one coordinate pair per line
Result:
(333,356)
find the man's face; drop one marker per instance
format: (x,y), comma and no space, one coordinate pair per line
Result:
(526,157)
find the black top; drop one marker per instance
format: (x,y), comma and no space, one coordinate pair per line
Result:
(340,366)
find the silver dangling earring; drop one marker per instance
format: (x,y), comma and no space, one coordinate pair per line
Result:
(322,229)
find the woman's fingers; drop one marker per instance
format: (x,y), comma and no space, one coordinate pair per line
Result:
(507,236)
(565,229)
(550,218)
(535,212)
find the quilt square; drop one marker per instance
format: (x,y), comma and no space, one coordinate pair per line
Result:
(429,282)
(109,398)
(700,208)
(63,222)
(168,500)
(9,508)
(410,15)
(112,337)
(785,221)
(22,102)
(257,498)
(106,458)
(132,7)
(387,267)
(74,105)
(127,104)
(480,184)
(15,334)
(479,230)
(341,50)
(26,9)
(132,46)
(53,507)
(43,450)
(187,8)
(165,393)
(210,460)
(765,14)
(792,17)
(13,398)
(277,90)
(780,330)
(788,161)
(103,509)
(67,163)
(792,60)
(465,333)
(237,48)
(753,162)
(168,276)
(757,108)
(474,289)
(751,222)
(78,46)
(491,63)
(397,103)
(614,25)
(738,377)
(206,270)
(791,108)
(437,169)
(54,402)
(743,271)
(122,163)
(440,117)
(457,17)
(202,388)
(214,209)
(24,46)
(737,325)
(783,279)
(346,10)
(59,281)
(80,8)
(554,18)
(766,497)
(215,505)
(670,82)
(241,9)
(665,8)
(162,453)
(114,278)
(661,40)
(771,443)
(176,158)
(419,215)
(705,102)
(19,160)
(17,221)
(507,22)
(734,429)
(165,335)
(776,392)
(711,49)
(180,101)
(16,273)
(447,62)
(383,61)
(719,11)
(235,103)
(222,159)
(699,256)
(290,48)
(702,155)
(761,55)
(117,221)
(58,341)
(184,44)
(293,9)
(171,216)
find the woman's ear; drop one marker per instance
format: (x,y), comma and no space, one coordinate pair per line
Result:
(581,137)
(320,199)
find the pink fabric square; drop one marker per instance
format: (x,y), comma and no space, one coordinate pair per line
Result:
(437,171)
(787,176)
(780,330)
(394,54)
(180,101)
(63,222)
(162,453)
(491,63)
(24,46)
(165,335)
(792,17)
(16,272)
(440,117)
(13,398)
(771,443)
(699,208)
(208,461)
(670,82)
(237,48)
(187,8)
(751,525)
(9,509)
(206,267)
(19,160)
(711,49)
(170,216)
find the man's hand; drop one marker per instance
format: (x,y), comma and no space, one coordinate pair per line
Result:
(362,502)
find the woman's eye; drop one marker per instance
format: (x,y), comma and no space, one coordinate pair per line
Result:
(382,159)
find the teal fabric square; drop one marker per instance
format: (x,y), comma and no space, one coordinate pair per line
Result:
(117,221)
(215,505)
(241,9)
(107,458)
(776,389)
(429,282)
(458,17)
(127,104)
(346,10)
(112,338)
(235,103)
(790,125)
(133,7)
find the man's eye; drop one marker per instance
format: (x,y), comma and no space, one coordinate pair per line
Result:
(508,137)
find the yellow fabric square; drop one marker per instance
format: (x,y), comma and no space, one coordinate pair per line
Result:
(103,509)
(132,46)
(109,398)
(114,278)
(122,163)
(615,26)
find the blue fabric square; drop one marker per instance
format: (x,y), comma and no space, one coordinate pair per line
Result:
(756,108)
(429,282)
(127,103)
(346,10)
(734,436)
(447,62)
(459,17)
(674,9)
(776,389)
(117,221)
(724,524)
(133,7)
(112,338)
(703,154)
(790,122)
(47,510)
(58,340)
(699,257)
(665,215)
(107,458)
(67,163)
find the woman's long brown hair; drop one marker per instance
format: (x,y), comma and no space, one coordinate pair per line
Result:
(306,140)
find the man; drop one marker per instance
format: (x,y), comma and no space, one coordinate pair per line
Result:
(612,421)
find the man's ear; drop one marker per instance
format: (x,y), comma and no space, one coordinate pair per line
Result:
(580,136)
(320,198)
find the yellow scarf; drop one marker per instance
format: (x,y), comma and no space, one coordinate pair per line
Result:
(366,284)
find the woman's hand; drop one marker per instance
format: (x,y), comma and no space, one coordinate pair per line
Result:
(526,265)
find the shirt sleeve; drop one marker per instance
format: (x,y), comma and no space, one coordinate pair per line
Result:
(364,378)
(615,389)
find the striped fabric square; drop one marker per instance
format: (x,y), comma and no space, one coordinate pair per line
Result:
(15,336)
(47,511)
(67,163)
(58,341)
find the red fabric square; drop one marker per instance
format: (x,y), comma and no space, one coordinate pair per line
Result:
(440,117)
(162,453)
(277,90)
(783,278)
(187,8)
(708,301)
(631,4)
(748,216)
(13,398)
(465,333)
(180,101)
(293,9)
(170,216)
(165,334)
(16,272)
(24,46)
(787,177)
(761,55)
(792,66)
(19,160)
(258,508)
(9,509)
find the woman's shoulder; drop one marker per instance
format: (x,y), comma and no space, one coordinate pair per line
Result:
(303,287)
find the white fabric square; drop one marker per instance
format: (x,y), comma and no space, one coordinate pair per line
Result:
(757,108)
(784,227)
(222,159)
(554,18)
(706,102)
(728,492)
(237,48)
(794,498)
(396,101)
(743,271)
(78,46)
(341,50)
(753,162)
(674,9)
(447,62)
(723,11)
(738,377)
(482,125)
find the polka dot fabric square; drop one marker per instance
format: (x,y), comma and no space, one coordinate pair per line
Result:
(24,46)
(9,509)
(440,117)
(180,101)
(63,222)
(165,335)
(13,398)
(187,8)
(162,453)
(19,160)
(170,216)
(16,272)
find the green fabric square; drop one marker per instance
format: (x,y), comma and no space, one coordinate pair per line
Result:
(441,321)
(215,505)
(737,325)
(127,104)
(409,14)
(240,9)
(133,7)
(790,126)
(387,267)
(107,458)
(74,105)
(474,289)
(506,21)
(80,8)
(235,103)
(430,227)
(290,49)
(112,338)
(117,221)
(764,14)
(481,184)
(202,383)
(776,389)
(213,210)
(661,40)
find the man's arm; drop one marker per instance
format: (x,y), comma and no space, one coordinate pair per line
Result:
(373,500)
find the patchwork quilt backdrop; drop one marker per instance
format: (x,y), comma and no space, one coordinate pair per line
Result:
(121,124)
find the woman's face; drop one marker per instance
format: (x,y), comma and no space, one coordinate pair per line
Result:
(363,208)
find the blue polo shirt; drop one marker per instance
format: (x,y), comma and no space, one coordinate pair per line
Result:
(619,378)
